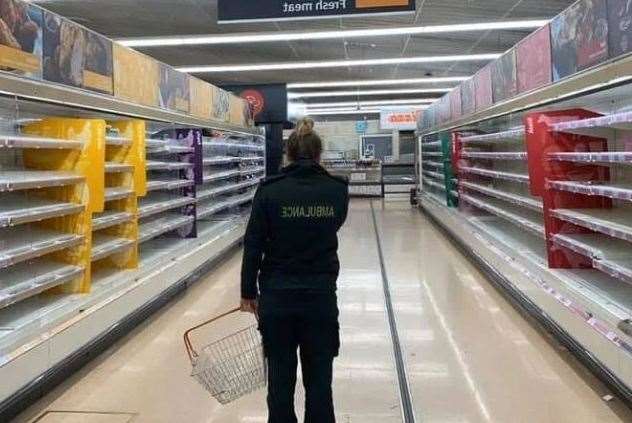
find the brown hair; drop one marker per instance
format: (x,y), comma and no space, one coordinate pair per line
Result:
(304,143)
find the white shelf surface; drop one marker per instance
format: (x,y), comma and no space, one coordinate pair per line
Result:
(433,164)
(252,158)
(605,189)
(496,174)
(34,142)
(16,209)
(179,149)
(168,184)
(251,170)
(512,134)
(26,280)
(613,222)
(154,143)
(162,225)
(210,143)
(105,245)
(110,218)
(606,157)
(517,217)
(112,167)
(518,155)
(161,165)
(14,180)
(519,200)
(114,140)
(220,160)
(612,121)
(617,268)
(155,204)
(596,246)
(434,184)
(22,245)
(433,154)
(435,175)
(207,210)
(431,144)
(117,193)
(225,189)
(219,176)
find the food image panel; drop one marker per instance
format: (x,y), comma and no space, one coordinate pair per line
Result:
(21,37)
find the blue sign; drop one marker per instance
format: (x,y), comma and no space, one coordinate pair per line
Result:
(362,126)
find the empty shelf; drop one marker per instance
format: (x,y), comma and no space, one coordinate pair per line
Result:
(514,216)
(251,170)
(434,184)
(105,245)
(605,157)
(19,246)
(110,218)
(596,246)
(117,193)
(16,209)
(205,211)
(432,154)
(214,161)
(435,175)
(33,179)
(218,176)
(433,164)
(614,222)
(224,189)
(613,121)
(211,143)
(112,167)
(179,149)
(496,174)
(25,280)
(158,203)
(168,185)
(163,225)
(519,155)
(154,143)
(252,159)
(516,199)
(512,134)
(615,191)
(29,141)
(618,268)
(159,165)
(431,144)
(117,141)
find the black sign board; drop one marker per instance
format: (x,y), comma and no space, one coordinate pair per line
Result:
(267,102)
(230,11)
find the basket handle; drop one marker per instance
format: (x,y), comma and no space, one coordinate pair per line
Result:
(187,340)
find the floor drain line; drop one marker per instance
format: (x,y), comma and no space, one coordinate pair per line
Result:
(408,412)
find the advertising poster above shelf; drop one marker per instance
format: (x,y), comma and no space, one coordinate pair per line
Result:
(268,103)
(468,97)
(504,78)
(579,38)
(21,38)
(135,77)
(75,56)
(234,11)
(619,27)
(399,118)
(221,104)
(201,98)
(533,60)
(174,89)
(483,87)
(455,103)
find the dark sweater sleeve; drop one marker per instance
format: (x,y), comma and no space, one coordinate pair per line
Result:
(254,242)
(345,207)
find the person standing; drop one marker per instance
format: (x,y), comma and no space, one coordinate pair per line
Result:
(289,273)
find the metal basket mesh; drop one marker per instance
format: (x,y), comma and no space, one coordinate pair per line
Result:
(233,366)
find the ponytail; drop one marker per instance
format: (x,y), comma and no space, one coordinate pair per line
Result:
(304,143)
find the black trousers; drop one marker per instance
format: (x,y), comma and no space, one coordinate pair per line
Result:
(291,321)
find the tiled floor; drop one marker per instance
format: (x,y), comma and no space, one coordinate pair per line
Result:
(470,356)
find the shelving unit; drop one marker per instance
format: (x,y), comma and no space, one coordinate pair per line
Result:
(437,168)
(232,167)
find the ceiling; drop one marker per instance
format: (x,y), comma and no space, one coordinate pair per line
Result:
(141,18)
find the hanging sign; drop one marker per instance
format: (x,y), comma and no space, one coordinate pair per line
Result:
(231,11)
(401,119)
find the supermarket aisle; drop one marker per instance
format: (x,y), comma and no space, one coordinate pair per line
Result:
(470,356)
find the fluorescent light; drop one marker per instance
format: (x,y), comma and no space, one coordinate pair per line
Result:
(372,83)
(353,93)
(338,109)
(217,39)
(345,112)
(339,63)
(368,103)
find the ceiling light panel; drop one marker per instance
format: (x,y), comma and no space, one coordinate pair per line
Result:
(340,63)
(353,93)
(376,82)
(213,39)
(368,103)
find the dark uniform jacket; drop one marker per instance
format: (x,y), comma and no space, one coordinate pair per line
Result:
(291,242)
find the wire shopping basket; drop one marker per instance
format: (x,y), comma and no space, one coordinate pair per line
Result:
(231,367)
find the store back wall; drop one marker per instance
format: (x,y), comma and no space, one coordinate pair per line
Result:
(342,135)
